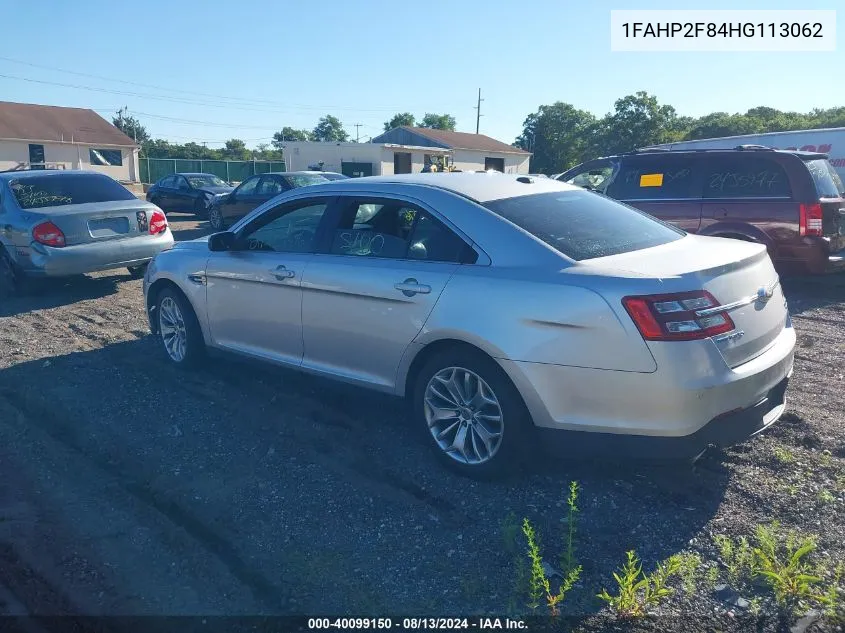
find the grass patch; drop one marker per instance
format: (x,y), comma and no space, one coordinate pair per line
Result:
(638,591)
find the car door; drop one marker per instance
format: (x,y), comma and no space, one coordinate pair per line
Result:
(241,201)
(367,294)
(254,290)
(164,192)
(666,186)
(182,198)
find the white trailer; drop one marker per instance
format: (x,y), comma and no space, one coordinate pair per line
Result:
(829,141)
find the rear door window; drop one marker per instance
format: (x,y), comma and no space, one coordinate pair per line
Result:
(597,177)
(745,176)
(35,192)
(584,225)
(657,178)
(828,182)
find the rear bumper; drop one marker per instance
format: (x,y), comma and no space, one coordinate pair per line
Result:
(722,431)
(836,262)
(87,258)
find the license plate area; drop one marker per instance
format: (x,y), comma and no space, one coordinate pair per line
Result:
(108,227)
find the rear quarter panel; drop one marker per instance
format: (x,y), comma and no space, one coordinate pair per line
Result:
(534,316)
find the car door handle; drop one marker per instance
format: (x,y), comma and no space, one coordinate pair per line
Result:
(281,272)
(410,287)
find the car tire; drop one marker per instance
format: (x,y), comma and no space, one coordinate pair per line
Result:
(9,277)
(216,220)
(178,329)
(137,272)
(200,208)
(482,392)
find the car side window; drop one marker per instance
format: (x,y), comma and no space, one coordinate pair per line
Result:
(181,183)
(376,228)
(269,186)
(395,230)
(167,182)
(659,178)
(247,187)
(595,178)
(289,229)
(745,177)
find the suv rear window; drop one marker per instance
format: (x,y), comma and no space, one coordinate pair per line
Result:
(828,182)
(35,192)
(584,225)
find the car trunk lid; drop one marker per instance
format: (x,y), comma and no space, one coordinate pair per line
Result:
(739,275)
(97,221)
(831,196)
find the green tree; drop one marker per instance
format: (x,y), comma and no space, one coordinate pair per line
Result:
(130,126)
(329,128)
(439,121)
(638,120)
(158,148)
(235,149)
(289,134)
(400,119)
(265,152)
(557,136)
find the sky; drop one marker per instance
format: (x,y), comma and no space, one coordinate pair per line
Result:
(212,70)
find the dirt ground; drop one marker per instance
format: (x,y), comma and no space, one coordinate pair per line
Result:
(128,487)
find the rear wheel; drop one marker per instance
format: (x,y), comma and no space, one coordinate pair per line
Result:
(200,208)
(471,412)
(137,272)
(215,219)
(178,328)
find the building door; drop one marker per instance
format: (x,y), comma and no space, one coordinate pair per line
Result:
(356,170)
(494,163)
(401,162)
(36,157)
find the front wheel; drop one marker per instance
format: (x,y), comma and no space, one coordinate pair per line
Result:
(471,412)
(215,219)
(178,328)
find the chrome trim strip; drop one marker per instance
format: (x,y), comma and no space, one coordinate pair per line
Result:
(736,304)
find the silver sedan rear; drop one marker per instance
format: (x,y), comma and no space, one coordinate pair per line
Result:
(60,223)
(504,308)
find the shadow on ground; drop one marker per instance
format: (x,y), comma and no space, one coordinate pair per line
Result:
(41,294)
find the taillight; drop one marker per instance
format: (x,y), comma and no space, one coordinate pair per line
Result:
(48,234)
(810,219)
(675,317)
(158,222)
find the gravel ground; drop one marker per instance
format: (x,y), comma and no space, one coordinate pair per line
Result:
(128,487)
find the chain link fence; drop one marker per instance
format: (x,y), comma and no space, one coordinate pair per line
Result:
(153,169)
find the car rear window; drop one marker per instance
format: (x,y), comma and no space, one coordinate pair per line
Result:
(584,225)
(304,180)
(35,192)
(828,182)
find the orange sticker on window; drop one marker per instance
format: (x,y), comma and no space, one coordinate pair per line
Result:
(651,180)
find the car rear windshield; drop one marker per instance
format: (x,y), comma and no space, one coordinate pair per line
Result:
(35,192)
(584,225)
(206,180)
(828,182)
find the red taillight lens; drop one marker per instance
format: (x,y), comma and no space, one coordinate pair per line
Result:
(810,219)
(676,317)
(158,222)
(48,234)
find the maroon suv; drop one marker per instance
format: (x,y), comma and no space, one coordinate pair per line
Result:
(791,201)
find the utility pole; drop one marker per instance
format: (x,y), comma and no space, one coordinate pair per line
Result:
(357,135)
(478,115)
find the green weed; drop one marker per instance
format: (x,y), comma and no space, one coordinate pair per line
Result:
(825,496)
(510,532)
(784,455)
(637,591)
(539,584)
(568,559)
(688,566)
(737,556)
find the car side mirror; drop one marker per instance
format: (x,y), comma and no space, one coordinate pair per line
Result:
(221,241)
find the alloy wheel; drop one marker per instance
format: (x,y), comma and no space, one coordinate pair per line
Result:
(171,324)
(215,219)
(464,415)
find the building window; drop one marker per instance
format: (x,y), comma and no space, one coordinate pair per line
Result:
(106,157)
(494,163)
(36,156)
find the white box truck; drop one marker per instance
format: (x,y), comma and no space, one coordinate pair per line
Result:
(829,141)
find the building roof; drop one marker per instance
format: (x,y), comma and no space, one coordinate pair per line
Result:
(454,140)
(31,122)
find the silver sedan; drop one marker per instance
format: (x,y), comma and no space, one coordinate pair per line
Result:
(60,223)
(507,309)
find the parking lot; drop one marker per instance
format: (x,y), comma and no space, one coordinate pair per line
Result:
(127,486)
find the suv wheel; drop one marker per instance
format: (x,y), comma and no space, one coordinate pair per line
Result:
(471,412)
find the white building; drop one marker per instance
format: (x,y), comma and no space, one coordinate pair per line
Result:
(407,150)
(64,138)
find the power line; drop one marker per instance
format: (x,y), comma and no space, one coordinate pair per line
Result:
(174,99)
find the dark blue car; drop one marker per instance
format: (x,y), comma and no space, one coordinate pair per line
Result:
(188,192)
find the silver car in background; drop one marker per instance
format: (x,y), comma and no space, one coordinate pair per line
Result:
(56,223)
(505,308)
